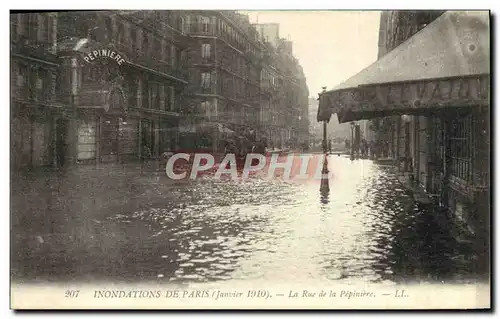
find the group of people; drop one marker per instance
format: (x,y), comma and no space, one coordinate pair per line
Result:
(363,148)
(373,149)
(242,147)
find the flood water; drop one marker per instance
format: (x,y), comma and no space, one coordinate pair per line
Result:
(130,227)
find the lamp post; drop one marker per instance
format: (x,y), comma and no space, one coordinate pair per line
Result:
(324,129)
(352,140)
(325,150)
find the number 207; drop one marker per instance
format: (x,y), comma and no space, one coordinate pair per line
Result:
(71,293)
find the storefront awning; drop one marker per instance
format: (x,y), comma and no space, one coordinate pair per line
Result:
(445,64)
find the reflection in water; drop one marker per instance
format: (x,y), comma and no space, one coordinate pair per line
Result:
(141,227)
(324,189)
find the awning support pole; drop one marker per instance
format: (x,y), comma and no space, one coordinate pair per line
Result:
(325,150)
(324,137)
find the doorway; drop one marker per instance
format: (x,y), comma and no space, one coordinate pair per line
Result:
(61,132)
(109,140)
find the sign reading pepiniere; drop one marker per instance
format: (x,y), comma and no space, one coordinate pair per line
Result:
(104,53)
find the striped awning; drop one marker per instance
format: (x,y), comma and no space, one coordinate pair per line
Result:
(445,64)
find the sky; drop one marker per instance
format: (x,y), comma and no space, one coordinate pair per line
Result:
(331,46)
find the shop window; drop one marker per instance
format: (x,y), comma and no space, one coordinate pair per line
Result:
(460,140)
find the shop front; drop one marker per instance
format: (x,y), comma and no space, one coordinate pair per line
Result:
(436,85)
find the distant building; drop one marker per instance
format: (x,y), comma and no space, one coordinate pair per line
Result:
(269,32)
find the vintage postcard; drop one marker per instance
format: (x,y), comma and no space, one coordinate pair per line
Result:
(204,159)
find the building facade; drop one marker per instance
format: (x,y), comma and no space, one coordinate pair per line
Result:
(120,86)
(285,104)
(224,64)
(446,151)
(35,107)
(122,111)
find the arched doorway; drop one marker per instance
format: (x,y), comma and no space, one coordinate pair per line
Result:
(117,132)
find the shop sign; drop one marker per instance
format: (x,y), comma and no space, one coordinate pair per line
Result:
(110,54)
(466,91)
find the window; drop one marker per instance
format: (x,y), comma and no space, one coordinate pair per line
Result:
(44,27)
(166,48)
(14,25)
(145,43)
(205,108)
(205,50)
(22,76)
(133,39)
(205,80)
(109,28)
(145,95)
(204,21)
(157,49)
(182,25)
(120,34)
(169,96)
(187,25)
(461,147)
(154,96)
(29,26)
(131,86)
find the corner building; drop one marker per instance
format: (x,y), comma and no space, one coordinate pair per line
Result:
(122,113)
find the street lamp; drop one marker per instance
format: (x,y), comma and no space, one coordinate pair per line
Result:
(325,164)
(324,128)
(352,140)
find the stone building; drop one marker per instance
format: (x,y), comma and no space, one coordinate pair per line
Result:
(285,104)
(224,63)
(119,86)
(34,106)
(128,111)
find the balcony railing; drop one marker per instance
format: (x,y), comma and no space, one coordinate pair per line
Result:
(200,29)
(146,60)
(163,67)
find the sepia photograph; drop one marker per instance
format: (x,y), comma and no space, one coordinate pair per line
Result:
(232,159)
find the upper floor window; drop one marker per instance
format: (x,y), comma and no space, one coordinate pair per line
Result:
(120,33)
(145,43)
(28,25)
(157,48)
(22,75)
(204,21)
(205,80)
(108,23)
(205,50)
(133,39)
(44,27)
(154,95)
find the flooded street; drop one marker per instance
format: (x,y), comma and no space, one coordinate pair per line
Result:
(144,227)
